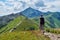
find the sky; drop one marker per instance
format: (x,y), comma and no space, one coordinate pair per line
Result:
(14,6)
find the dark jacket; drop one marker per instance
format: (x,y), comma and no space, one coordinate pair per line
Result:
(42,21)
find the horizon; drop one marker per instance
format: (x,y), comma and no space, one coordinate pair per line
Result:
(14,6)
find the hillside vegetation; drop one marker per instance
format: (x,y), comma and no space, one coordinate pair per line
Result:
(23,28)
(12,24)
(23,35)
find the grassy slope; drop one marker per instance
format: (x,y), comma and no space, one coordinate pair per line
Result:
(12,24)
(23,35)
(27,25)
(20,32)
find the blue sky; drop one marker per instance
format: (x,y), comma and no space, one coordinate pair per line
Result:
(14,6)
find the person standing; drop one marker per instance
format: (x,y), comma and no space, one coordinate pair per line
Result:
(42,22)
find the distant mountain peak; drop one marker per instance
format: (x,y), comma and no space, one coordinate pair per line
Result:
(29,8)
(30,12)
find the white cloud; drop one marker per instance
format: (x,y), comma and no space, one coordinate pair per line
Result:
(13,6)
(10,6)
(50,5)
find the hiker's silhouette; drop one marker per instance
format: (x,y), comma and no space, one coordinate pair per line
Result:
(42,21)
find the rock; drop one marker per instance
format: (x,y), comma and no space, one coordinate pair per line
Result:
(52,36)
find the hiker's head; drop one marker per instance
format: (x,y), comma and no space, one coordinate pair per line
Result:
(41,15)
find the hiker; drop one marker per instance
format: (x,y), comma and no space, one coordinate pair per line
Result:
(42,21)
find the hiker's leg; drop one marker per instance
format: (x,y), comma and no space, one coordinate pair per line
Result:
(41,28)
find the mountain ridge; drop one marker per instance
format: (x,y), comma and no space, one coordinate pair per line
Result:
(30,13)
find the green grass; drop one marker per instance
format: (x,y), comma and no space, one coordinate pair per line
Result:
(53,30)
(23,35)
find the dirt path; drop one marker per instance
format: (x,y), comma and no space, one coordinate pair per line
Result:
(53,36)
